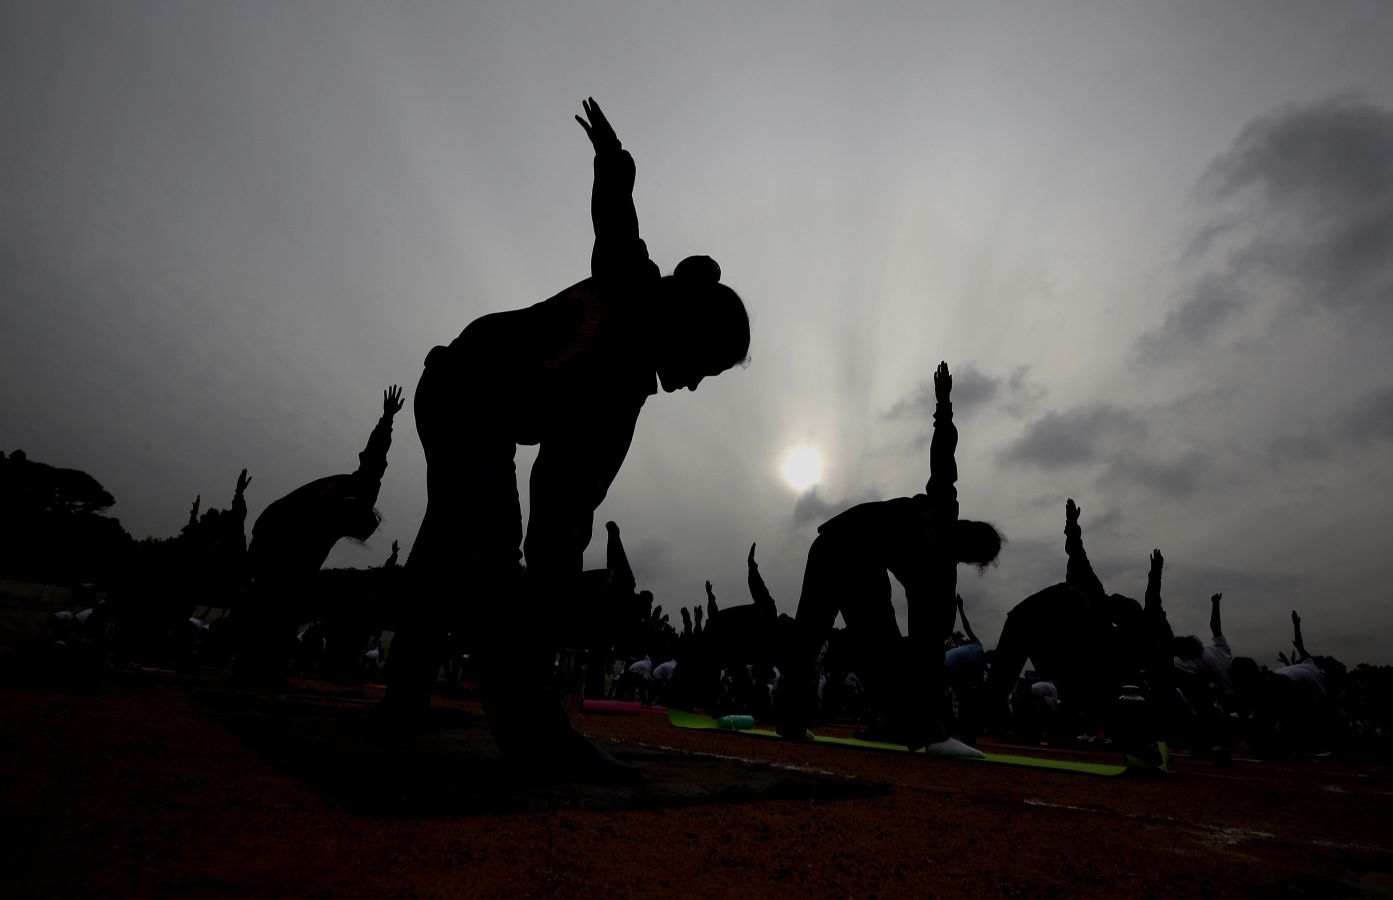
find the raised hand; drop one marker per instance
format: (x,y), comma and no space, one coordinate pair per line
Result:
(1216,598)
(1295,619)
(750,560)
(1157,561)
(242,482)
(601,133)
(943,383)
(1071,511)
(392,401)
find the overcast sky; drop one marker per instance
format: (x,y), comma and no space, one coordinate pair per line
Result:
(1153,240)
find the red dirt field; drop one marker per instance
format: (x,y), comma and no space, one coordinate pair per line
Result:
(157,785)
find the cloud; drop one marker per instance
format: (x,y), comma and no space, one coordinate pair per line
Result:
(811,507)
(1308,222)
(650,558)
(973,390)
(1371,418)
(1118,440)
(1368,420)
(1180,476)
(1211,304)
(1057,440)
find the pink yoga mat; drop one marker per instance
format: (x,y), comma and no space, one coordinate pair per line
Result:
(611,707)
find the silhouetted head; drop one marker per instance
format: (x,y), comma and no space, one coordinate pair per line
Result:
(705,328)
(976,543)
(1187,646)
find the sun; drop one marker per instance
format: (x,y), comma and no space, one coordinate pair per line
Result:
(802,468)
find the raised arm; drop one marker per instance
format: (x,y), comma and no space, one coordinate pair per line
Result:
(239,501)
(1214,624)
(372,462)
(621,574)
(1153,582)
(943,466)
(967,629)
(1297,642)
(1080,573)
(759,592)
(617,244)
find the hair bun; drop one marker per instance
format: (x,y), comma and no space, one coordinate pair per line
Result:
(698,269)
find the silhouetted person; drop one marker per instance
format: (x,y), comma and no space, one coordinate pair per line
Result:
(1204,678)
(293,536)
(920,540)
(216,549)
(748,642)
(1210,663)
(569,374)
(1301,697)
(1088,642)
(391,562)
(611,618)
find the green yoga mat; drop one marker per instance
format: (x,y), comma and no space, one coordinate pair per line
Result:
(684,719)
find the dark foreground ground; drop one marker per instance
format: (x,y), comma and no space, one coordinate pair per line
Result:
(159,785)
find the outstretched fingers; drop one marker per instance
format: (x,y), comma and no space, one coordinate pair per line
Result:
(392,401)
(596,126)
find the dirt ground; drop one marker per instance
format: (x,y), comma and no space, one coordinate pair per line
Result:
(163,785)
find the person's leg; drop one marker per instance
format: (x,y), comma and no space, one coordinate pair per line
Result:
(818,606)
(1007,661)
(880,654)
(527,617)
(969,686)
(931,617)
(467,549)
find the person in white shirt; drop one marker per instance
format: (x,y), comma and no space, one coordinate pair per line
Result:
(1214,661)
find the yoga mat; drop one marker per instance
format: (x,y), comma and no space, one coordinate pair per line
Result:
(684,719)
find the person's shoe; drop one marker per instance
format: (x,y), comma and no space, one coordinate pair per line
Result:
(953,747)
(794,731)
(1150,760)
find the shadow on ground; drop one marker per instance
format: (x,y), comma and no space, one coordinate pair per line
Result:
(343,750)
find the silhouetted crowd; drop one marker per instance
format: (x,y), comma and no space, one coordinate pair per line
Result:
(510,613)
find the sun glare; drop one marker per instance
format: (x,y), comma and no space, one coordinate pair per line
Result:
(802,468)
